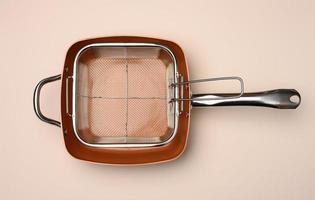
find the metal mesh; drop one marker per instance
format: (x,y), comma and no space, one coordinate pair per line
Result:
(123,95)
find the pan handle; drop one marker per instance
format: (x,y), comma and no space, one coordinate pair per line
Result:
(36,98)
(279,98)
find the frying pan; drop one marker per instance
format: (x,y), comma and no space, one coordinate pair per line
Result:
(127,100)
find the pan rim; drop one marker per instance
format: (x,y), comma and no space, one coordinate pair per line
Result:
(74,96)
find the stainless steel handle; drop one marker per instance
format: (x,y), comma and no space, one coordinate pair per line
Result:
(280,98)
(36,98)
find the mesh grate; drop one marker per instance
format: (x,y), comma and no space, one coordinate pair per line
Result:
(143,112)
(123,97)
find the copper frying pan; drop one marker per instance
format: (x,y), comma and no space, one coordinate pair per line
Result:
(127,100)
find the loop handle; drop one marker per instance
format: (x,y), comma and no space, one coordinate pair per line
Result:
(36,100)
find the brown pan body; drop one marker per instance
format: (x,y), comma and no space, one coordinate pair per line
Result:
(123,156)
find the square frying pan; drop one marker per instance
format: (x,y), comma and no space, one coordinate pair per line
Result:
(127,100)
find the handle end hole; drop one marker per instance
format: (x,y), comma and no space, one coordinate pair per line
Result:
(295,99)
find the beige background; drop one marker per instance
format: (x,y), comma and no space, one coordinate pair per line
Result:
(233,153)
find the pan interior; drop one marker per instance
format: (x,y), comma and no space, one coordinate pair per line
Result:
(122,95)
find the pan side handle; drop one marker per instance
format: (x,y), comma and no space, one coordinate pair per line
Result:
(36,100)
(279,98)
